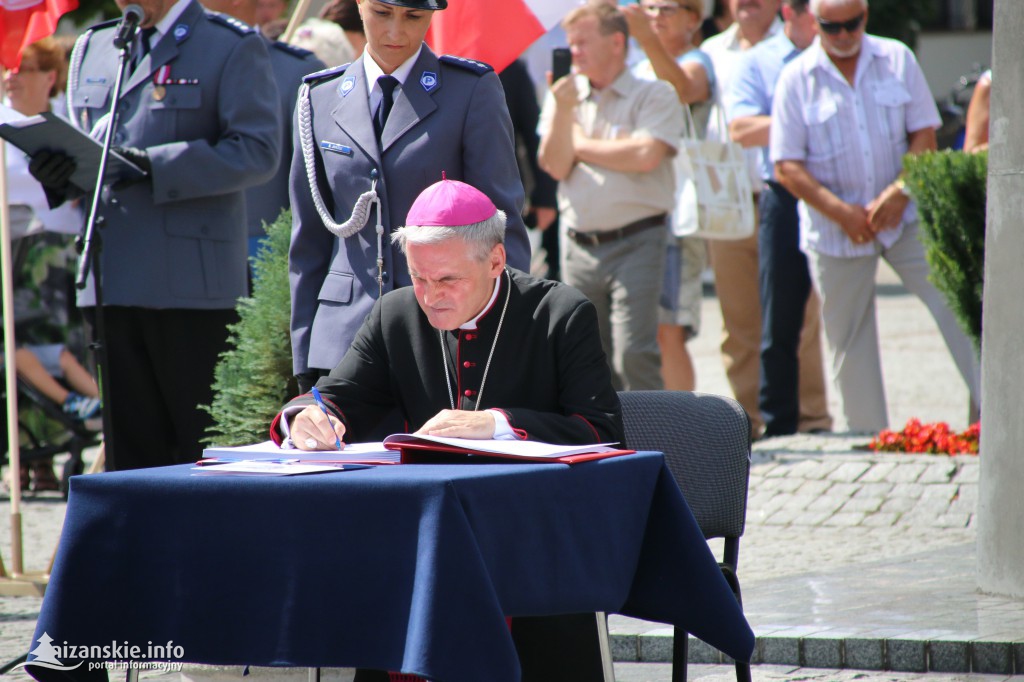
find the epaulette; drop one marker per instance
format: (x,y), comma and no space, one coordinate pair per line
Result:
(105,24)
(479,68)
(292,50)
(239,27)
(324,74)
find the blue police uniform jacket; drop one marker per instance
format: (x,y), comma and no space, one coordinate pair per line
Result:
(204,106)
(450,116)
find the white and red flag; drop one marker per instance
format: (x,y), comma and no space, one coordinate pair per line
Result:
(492,31)
(23,22)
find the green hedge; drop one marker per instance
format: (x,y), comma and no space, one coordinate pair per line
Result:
(254,376)
(950,190)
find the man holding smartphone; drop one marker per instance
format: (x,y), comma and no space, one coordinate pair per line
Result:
(561,63)
(609,138)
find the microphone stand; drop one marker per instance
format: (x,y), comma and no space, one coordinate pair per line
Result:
(90,246)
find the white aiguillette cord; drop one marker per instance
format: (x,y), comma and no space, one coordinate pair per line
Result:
(487,367)
(361,209)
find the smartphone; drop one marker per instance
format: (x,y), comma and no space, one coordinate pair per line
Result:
(561,63)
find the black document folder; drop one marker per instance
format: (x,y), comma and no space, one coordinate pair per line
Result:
(49,131)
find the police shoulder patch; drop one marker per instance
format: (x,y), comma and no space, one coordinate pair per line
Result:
(291,49)
(325,74)
(239,27)
(479,68)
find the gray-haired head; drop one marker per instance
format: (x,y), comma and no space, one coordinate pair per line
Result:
(481,237)
(816,5)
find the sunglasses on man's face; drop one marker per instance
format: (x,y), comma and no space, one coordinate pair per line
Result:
(836,27)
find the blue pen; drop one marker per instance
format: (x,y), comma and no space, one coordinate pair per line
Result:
(323,408)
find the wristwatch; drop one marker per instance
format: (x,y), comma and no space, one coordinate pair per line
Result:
(901,185)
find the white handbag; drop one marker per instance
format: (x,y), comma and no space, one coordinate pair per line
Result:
(714,199)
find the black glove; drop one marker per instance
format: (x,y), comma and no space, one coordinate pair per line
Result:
(141,159)
(53,170)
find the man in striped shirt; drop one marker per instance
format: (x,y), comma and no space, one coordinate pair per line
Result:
(845,113)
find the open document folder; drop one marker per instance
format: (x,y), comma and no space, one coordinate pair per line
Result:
(414,448)
(32,134)
(417,448)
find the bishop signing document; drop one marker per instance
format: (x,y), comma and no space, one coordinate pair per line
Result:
(473,349)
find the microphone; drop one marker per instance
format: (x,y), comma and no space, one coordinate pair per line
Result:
(130,21)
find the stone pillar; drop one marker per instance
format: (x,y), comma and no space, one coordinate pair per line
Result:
(1001,500)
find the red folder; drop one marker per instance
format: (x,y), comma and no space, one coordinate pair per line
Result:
(435,450)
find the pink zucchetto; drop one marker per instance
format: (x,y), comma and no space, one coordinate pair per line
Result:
(450,203)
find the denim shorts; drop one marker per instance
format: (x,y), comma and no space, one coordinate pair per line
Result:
(682,290)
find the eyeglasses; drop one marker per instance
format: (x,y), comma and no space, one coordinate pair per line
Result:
(833,28)
(665,10)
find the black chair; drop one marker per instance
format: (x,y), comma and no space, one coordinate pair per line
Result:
(74,439)
(706,442)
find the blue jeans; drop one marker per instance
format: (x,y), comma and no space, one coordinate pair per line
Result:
(785,284)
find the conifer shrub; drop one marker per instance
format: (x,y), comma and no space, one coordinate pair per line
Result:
(253,377)
(950,190)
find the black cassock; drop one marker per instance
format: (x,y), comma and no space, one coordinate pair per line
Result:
(548,373)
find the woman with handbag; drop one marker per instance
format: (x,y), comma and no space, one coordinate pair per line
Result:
(664,29)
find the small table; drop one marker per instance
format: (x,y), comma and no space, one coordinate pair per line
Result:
(407,567)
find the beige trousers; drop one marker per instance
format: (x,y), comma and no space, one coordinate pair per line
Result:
(735,266)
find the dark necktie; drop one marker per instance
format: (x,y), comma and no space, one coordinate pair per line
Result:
(387,91)
(144,46)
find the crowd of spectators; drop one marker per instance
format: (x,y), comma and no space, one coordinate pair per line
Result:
(604,137)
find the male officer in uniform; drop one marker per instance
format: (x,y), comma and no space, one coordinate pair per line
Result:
(199,112)
(393,120)
(263,203)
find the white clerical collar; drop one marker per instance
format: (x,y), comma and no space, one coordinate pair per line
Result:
(163,26)
(373,71)
(487,308)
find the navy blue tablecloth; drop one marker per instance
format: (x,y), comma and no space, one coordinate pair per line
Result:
(409,567)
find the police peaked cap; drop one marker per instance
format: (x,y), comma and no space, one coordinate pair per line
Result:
(418,4)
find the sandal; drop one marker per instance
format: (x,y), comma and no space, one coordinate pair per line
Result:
(43,478)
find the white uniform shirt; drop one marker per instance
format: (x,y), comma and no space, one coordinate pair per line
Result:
(726,54)
(373,72)
(851,138)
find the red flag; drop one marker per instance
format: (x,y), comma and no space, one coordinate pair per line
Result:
(23,22)
(494,32)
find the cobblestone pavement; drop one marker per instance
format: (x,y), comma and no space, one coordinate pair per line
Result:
(861,560)
(42,517)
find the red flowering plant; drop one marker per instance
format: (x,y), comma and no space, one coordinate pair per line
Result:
(936,439)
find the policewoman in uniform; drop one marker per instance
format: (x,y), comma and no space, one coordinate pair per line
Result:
(200,113)
(390,122)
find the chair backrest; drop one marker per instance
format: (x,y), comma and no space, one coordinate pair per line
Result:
(706,442)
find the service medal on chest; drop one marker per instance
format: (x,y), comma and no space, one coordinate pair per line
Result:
(160,80)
